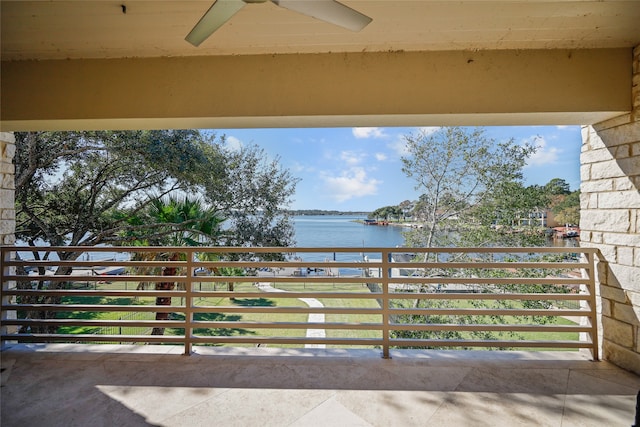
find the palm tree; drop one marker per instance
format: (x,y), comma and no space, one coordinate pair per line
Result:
(174,222)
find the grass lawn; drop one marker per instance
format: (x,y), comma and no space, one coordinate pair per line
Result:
(274,299)
(345,303)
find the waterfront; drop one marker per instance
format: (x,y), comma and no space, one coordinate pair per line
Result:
(343,231)
(322,231)
(326,231)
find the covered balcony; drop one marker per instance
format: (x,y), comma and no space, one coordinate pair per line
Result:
(356,336)
(125,65)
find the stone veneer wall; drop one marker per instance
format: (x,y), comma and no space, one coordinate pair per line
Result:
(610,221)
(7,203)
(7,187)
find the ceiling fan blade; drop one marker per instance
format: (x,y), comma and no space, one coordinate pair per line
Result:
(330,11)
(219,13)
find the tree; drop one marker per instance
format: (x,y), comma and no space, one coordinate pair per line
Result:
(80,190)
(84,188)
(176,222)
(405,207)
(87,188)
(469,185)
(567,210)
(252,194)
(512,215)
(557,186)
(457,170)
(386,212)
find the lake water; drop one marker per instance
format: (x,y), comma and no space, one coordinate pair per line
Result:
(344,231)
(323,231)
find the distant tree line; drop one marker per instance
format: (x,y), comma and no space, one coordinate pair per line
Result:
(325,212)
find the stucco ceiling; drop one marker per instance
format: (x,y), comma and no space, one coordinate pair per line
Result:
(105,29)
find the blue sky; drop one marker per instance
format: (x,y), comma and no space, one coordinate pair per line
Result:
(359,169)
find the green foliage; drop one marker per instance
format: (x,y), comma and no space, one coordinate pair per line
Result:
(557,186)
(90,188)
(173,221)
(458,171)
(567,208)
(473,196)
(386,213)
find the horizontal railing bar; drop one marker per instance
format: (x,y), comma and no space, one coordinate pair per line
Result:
(89,292)
(285,340)
(476,327)
(94,322)
(491,280)
(93,337)
(90,265)
(558,281)
(296,325)
(287,279)
(416,265)
(95,265)
(286,294)
(101,278)
(292,294)
(306,310)
(486,296)
(488,312)
(488,343)
(90,307)
(288,325)
(320,310)
(308,279)
(474,265)
(285,264)
(293,249)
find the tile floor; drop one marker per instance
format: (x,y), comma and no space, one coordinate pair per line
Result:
(91,385)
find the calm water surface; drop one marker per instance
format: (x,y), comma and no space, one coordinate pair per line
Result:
(344,231)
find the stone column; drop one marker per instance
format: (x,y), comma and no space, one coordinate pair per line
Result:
(610,221)
(7,189)
(7,208)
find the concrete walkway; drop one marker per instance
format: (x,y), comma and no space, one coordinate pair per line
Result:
(313,317)
(92,385)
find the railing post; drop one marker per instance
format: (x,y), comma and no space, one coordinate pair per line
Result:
(189,303)
(5,285)
(386,314)
(593,312)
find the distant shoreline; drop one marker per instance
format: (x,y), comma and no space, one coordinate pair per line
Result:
(303,212)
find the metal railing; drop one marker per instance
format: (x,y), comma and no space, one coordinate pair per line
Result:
(485,298)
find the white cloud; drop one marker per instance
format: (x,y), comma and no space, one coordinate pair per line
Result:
(233,143)
(351,157)
(399,146)
(545,154)
(350,184)
(381,157)
(300,167)
(362,133)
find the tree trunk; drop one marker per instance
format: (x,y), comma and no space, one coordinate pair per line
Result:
(165,301)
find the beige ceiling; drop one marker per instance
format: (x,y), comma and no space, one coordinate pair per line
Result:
(101,29)
(124,64)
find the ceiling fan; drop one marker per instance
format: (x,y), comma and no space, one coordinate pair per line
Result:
(330,11)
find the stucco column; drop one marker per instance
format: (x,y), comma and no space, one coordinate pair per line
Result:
(610,221)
